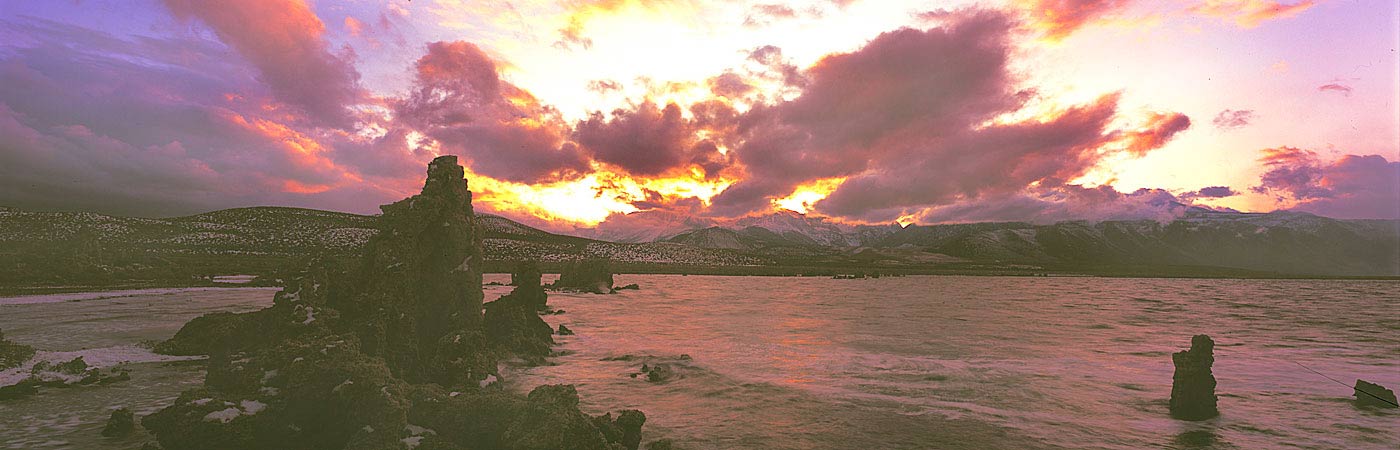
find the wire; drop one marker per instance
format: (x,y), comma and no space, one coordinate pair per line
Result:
(1334,380)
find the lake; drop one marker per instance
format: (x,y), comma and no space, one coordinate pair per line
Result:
(815,363)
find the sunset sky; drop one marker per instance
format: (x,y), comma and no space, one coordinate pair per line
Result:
(572,112)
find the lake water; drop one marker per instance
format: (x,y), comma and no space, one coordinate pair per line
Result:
(912,362)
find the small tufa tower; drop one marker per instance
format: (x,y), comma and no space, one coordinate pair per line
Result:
(1193,384)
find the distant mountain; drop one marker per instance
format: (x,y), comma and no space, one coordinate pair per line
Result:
(40,247)
(1285,242)
(89,248)
(645,226)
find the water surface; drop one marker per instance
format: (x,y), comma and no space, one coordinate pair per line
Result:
(983,362)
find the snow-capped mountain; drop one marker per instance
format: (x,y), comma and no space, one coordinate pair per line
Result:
(644,226)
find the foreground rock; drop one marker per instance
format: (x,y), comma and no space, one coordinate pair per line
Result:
(1370,394)
(12,354)
(75,372)
(1193,384)
(389,352)
(593,276)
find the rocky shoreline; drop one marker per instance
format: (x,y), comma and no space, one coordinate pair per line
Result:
(393,350)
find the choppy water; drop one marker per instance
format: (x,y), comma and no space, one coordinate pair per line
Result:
(915,362)
(106,329)
(978,362)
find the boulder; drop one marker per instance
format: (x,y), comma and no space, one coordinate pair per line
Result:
(121,424)
(1193,384)
(659,373)
(593,276)
(12,354)
(629,287)
(565,331)
(1370,394)
(630,422)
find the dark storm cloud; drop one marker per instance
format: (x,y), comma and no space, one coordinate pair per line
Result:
(1362,187)
(284,40)
(460,101)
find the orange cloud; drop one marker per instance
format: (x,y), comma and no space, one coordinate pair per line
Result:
(1058,19)
(1251,13)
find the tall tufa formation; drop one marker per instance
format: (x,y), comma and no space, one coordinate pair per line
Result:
(389,351)
(420,303)
(1193,384)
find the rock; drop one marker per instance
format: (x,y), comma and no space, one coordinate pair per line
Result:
(121,424)
(565,331)
(630,422)
(514,326)
(632,287)
(660,444)
(526,280)
(19,390)
(360,354)
(551,420)
(1374,395)
(659,373)
(593,276)
(13,354)
(1193,385)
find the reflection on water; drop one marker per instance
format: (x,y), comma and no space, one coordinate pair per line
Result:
(980,362)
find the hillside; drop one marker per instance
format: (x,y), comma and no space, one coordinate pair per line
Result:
(49,248)
(87,248)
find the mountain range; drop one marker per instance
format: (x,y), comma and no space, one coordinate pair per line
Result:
(89,248)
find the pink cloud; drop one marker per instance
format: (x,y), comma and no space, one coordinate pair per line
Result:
(285,40)
(1353,186)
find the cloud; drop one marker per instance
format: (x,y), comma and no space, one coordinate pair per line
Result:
(460,101)
(1354,186)
(149,126)
(1251,13)
(765,14)
(1336,87)
(905,121)
(645,141)
(572,36)
(1214,192)
(1057,19)
(1232,119)
(285,40)
(1061,203)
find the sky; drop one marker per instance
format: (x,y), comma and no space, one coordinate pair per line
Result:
(572,113)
